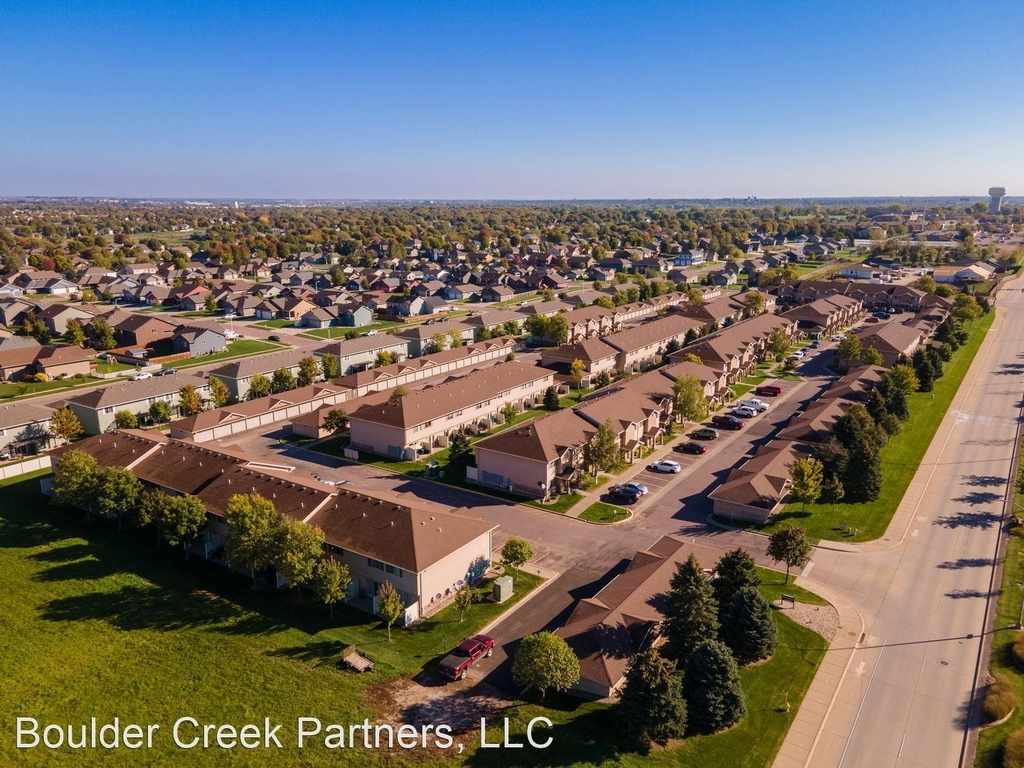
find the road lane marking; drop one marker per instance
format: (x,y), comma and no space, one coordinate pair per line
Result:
(864,698)
(859,670)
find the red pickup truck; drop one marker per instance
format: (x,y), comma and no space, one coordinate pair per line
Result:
(456,663)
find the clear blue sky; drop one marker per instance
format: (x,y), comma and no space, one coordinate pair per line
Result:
(488,99)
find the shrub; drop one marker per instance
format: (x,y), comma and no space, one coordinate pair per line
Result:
(1000,698)
(1018,650)
(1013,752)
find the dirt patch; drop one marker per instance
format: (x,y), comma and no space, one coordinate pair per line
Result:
(430,701)
(823,619)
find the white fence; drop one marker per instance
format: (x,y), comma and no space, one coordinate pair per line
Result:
(8,471)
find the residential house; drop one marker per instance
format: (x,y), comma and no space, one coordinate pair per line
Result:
(827,316)
(595,353)
(95,409)
(141,330)
(24,429)
(198,340)
(418,336)
(57,315)
(645,345)
(755,490)
(238,374)
(891,340)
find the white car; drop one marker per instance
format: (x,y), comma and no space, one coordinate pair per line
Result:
(370,333)
(753,402)
(665,465)
(744,412)
(230,335)
(142,376)
(798,355)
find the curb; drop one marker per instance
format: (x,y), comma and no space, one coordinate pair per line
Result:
(535,570)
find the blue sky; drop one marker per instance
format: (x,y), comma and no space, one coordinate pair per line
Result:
(524,100)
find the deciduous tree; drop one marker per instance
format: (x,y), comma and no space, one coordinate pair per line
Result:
(806,476)
(603,449)
(64,425)
(509,412)
(160,411)
(335,420)
(460,453)
(126,420)
(577,370)
(329,365)
(117,492)
(332,582)
(190,402)
(688,398)
(309,371)
(516,553)
(300,547)
(76,479)
(546,662)
(789,545)
(384,358)
(281,381)
(849,349)
(390,605)
(254,526)
(74,335)
(219,392)
(183,519)
(463,600)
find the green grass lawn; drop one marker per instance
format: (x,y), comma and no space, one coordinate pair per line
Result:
(602,513)
(563,504)
(115,367)
(237,348)
(26,389)
(273,325)
(338,333)
(739,390)
(590,734)
(103,623)
(900,458)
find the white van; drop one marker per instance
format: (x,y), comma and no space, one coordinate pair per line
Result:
(758,405)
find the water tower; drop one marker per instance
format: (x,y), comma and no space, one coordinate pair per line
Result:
(997,194)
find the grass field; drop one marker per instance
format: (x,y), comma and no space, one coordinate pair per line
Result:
(900,458)
(103,623)
(602,513)
(237,348)
(586,734)
(338,333)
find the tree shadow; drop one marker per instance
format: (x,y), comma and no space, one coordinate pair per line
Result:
(317,654)
(965,562)
(963,594)
(974,498)
(981,520)
(984,481)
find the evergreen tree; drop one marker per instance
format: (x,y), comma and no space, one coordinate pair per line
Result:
(735,570)
(551,398)
(460,453)
(711,687)
(876,405)
(924,370)
(749,627)
(691,614)
(863,477)
(896,404)
(832,491)
(651,704)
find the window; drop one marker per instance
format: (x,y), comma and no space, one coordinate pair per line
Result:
(375,563)
(394,570)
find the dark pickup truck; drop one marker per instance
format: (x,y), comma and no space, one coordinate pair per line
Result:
(456,663)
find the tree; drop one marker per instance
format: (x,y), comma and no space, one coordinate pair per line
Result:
(182,519)
(551,398)
(75,480)
(832,491)
(508,413)
(896,404)
(789,545)
(856,425)
(966,307)
(577,370)
(460,453)
(545,661)
(806,476)
(691,613)
(651,703)
(871,356)
(925,372)
(735,570)
(281,381)
(863,476)
(300,547)
(101,334)
(335,420)
(558,329)
(329,365)
(778,343)
(711,687)
(688,399)
(259,386)
(117,492)
(754,303)
(925,283)
(189,399)
(463,600)
(398,392)
(455,339)
(126,420)
(309,371)
(438,342)
(254,526)
(515,554)
(64,425)
(160,411)
(694,297)
(603,449)
(390,605)
(849,349)
(749,627)
(384,358)
(903,378)
(210,303)
(332,582)
(74,336)
(220,395)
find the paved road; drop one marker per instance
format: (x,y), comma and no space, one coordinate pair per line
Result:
(923,591)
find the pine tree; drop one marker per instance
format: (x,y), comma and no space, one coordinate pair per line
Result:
(863,478)
(711,687)
(691,614)
(735,570)
(651,703)
(749,627)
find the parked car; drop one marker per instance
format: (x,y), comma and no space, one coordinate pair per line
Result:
(274,337)
(142,376)
(455,665)
(166,371)
(726,421)
(624,495)
(881,315)
(640,488)
(798,355)
(753,402)
(704,433)
(694,448)
(771,390)
(370,333)
(744,412)
(665,465)
(231,335)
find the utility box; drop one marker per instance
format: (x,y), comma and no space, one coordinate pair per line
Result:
(432,468)
(502,589)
